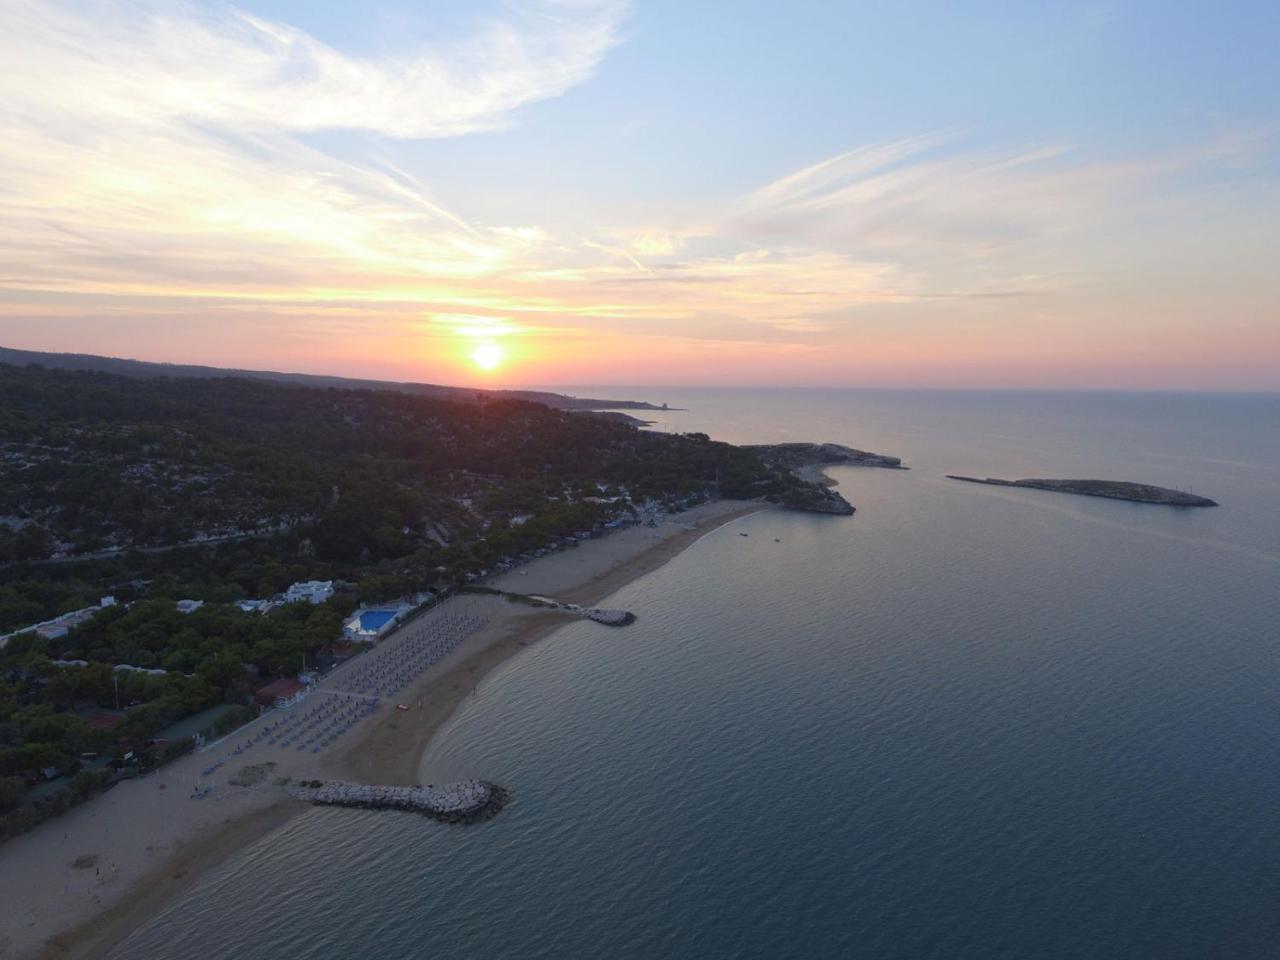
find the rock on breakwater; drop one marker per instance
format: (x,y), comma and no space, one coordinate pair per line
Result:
(611,618)
(467,801)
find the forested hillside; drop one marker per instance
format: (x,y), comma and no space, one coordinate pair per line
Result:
(96,470)
(151,491)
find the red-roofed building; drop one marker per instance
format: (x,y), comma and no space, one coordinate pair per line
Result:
(104,719)
(279,692)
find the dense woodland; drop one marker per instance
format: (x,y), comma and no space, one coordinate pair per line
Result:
(333,481)
(224,489)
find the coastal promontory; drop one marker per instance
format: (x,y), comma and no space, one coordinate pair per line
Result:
(1110,489)
(795,456)
(806,461)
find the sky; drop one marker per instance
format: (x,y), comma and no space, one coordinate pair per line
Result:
(546,192)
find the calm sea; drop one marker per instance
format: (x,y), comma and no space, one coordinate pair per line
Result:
(967,722)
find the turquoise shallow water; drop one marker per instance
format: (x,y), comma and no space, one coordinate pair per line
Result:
(967,722)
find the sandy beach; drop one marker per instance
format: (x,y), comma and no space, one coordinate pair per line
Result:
(79,884)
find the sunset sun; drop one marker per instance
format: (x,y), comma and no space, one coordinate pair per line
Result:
(488,356)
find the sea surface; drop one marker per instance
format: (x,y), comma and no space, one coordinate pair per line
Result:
(969,722)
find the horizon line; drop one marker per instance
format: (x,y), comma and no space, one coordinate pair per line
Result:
(559,387)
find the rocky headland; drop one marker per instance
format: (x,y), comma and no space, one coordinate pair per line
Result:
(795,456)
(1110,489)
(808,461)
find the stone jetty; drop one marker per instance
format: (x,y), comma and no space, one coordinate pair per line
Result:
(465,802)
(611,618)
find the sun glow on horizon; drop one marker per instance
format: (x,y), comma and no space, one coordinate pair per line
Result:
(488,356)
(265,185)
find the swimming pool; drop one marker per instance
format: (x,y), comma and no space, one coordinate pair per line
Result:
(371,621)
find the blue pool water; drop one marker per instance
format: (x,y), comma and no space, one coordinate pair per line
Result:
(969,722)
(371,621)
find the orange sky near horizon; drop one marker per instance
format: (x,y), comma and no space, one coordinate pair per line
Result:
(211,186)
(976,354)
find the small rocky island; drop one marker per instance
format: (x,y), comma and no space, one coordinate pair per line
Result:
(807,461)
(1111,489)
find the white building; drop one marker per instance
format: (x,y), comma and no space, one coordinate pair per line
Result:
(58,627)
(130,668)
(313,591)
(189,606)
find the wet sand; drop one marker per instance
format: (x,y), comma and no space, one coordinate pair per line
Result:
(391,751)
(99,933)
(150,842)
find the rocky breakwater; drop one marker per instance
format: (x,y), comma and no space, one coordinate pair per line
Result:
(611,618)
(465,802)
(1110,489)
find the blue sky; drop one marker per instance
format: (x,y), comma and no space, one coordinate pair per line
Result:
(707,97)
(940,193)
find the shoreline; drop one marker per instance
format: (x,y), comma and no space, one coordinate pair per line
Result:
(98,935)
(816,473)
(393,749)
(188,839)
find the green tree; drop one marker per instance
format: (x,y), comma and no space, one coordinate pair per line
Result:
(12,790)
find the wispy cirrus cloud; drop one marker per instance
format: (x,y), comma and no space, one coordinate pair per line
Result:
(171,61)
(158,169)
(156,147)
(933,196)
